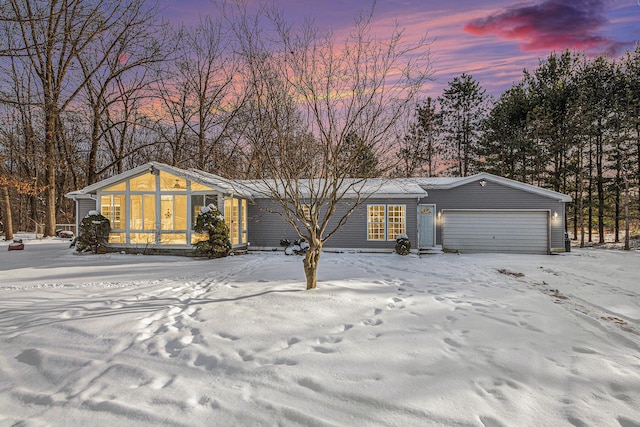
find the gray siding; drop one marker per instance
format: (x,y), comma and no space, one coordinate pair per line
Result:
(266,229)
(496,196)
(84,206)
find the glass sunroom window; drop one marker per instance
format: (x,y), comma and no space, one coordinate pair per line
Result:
(142,212)
(169,182)
(121,186)
(173,209)
(199,187)
(113,207)
(198,201)
(146,182)
(231,217)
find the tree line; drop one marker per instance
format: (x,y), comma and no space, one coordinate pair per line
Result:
(571,125)
(91,88)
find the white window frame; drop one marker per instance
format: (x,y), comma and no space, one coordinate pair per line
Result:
(385,223)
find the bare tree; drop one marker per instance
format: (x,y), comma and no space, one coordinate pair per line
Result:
(199,96)
(52,38)
(115,89)
(302,81)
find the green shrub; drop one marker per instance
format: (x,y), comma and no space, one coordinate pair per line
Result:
(211,222)
(94,233)
(403,245)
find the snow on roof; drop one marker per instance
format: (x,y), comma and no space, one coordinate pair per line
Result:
(352,187)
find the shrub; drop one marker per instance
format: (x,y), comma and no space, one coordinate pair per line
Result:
(94,233)
(403,245)
(298,247)
(211,221)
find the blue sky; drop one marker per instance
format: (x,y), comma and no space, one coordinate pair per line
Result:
(491,40)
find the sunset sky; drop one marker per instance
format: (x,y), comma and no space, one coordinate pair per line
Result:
(491,40)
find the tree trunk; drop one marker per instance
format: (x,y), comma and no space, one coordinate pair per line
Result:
(590,197)
(600,187)
(6,210)
(627,244)
(616,220)
(310,262)
(92,176)
(50,160)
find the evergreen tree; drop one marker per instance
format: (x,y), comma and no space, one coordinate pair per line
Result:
(357,158)
(630,69)
(417,152)
(552,88)
(94,233)
(463,106)
(506,148)
(211,222)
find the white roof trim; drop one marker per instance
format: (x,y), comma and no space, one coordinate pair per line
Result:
(215,182)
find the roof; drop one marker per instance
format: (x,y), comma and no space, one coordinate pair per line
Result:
(451,182)
(352,188)
(216,182)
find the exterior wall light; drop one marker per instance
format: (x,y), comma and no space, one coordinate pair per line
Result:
(483,183)
(555,215)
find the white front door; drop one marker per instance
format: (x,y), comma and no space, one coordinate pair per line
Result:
(426,226)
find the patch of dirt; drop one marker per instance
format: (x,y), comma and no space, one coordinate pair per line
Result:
(510,273)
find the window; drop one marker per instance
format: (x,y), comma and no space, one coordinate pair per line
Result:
(122,186)
(235,216)
(172,211)
(112,207)
(376,222)
(395,221)
(231,216)
(169,182)
(385,222)
(142,214)
(243,222)
(146,182)
(198,201)
(306,209)
(199,187)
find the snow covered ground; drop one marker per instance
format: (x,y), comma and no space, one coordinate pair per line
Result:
(445,340)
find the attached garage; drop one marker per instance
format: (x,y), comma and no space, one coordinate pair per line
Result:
(500,230)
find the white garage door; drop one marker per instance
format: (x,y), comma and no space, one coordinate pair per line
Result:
(511,231)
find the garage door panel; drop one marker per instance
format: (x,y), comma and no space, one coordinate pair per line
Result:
(513,231)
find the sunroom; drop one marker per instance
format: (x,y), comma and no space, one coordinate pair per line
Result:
(156,205)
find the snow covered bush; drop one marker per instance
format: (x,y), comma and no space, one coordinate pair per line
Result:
(94,233)
(211,222)
(298,247)
(403,245)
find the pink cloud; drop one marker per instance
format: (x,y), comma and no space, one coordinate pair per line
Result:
(552,24)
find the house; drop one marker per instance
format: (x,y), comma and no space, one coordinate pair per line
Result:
(154,206)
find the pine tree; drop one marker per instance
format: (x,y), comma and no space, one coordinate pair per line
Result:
(463,106)
(417,152)
(211,222)
(94,233)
